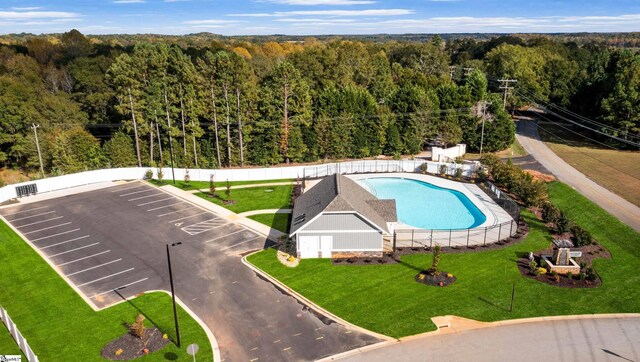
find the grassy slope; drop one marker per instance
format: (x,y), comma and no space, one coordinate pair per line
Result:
(220,185)
(254,198)
(275,221)
(7,344)
(386,299)
(60,326)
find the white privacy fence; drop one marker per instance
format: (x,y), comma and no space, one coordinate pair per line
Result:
(17,336)
(451,153)
(235,174)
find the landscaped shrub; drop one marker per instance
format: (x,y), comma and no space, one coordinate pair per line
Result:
(562,223)
(423,168)
(148,174)
(137,328)
(518,182)
(549,212)
(159,173)
(569,275)
(187,176)
(580,237)
(443,170)
(482,175)
(542,270)
(458,173)
(436,259)
(533,265)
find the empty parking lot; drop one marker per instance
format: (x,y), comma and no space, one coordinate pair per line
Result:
(111,243)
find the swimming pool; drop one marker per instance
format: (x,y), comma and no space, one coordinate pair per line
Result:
(423,205)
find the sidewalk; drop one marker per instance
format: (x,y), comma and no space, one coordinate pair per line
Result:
(243,186)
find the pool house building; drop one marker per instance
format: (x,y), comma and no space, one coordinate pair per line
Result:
(338,218)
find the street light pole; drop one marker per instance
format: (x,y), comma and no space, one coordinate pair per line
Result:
(173,294)
(483,106)
(35,132)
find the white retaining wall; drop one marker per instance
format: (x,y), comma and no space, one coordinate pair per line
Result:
(232,174)
(445,154)
(17,336)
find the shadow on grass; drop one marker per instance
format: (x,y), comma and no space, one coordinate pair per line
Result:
(410,266)
(161,328)
(483,299)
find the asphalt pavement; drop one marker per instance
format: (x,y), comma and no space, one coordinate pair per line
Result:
(111,244)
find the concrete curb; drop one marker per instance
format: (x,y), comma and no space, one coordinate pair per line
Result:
(311,304)
(265,211)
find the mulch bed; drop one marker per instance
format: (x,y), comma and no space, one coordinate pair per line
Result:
(589,254)
(440,279)
(389,258)
(132,346)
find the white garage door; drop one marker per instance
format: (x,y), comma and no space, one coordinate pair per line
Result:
(308,246)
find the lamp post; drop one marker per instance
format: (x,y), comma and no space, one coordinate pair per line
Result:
(173,294)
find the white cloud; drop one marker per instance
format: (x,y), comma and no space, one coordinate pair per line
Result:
(16,15)
(367,12)
(309,20)
(27,8)
(211,22)
(321,2)
(129,1)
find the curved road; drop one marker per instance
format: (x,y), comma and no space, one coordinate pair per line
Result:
(594,339)
(527,135)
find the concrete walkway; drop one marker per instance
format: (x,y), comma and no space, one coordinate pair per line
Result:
(265,211)
(561,339)
(527,135)
(222,188)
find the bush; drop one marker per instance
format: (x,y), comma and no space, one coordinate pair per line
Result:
(518,182)
(159,173)
(562,223)
(590,273)
(137,328)
(148,174)
(550,212)
(458,173)
(533,265)
(442,170)
(436,258)
(580,237)
(187,177)
(582,276)
(542,270)
(423,168)
(570,275)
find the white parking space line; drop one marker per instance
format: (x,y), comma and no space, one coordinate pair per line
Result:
(147,196)
(50,236)
(129,188)
(224,236)
(240,243)
(186,217)
(47,228)
(94,267)
(162,207)
(63,242)
(83,258)
(28,217)
(103,278)
(39,222)
(120,287)
(76,249)
(135,192)
(153,202)
(196,231)
(20,212)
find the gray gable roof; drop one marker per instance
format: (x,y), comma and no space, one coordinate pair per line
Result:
(338,193)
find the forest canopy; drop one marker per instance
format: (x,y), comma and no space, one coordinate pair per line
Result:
(113,102)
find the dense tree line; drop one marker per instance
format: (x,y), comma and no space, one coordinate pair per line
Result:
(231,103)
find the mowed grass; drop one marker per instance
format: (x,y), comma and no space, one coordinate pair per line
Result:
(253,198)
(275,221)
(220,185)
(515,150)
(617,171)
(60,326)
(7,344)
(386,299)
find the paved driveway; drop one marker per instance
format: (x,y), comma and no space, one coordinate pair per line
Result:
(111,243)
(527,135)
(610,339)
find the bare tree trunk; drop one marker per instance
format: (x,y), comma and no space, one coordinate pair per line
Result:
(240,128)
(166,103)
(284,144)
(215,125)
(158,134)
(193,135)
(184,133)
(151,145)
(226,101)
(135,127)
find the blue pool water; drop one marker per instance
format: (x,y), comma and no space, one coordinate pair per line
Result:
(424,205)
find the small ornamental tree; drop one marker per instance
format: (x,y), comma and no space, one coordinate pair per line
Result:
(562,223)
(159,173)
(137,328)
(228,189)
(436,259)
(212,186)
(187,177)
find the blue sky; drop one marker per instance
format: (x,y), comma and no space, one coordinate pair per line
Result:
(308,17)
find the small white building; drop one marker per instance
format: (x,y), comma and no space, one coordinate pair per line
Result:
(338,218)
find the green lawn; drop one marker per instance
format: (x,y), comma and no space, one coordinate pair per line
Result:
(275,221)
(386,299)
(220,185)
(60,326)
(254,198)
(7,344)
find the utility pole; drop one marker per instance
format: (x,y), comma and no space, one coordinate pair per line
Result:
(35,132)
(452,69)
(504,84)
(483,109)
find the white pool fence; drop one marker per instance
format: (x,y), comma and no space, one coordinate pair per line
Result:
(17,336)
